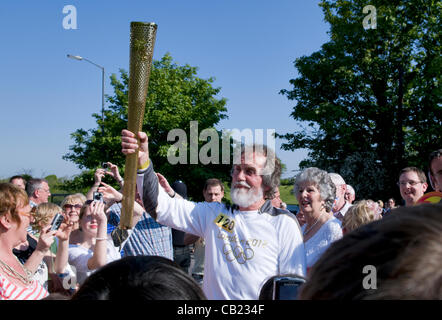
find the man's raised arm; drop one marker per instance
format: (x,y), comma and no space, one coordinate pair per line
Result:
(149,191)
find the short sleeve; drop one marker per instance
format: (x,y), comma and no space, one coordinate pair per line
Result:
(79,257)
(114,215)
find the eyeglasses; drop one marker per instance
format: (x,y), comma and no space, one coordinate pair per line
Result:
(72,206)
(411,183)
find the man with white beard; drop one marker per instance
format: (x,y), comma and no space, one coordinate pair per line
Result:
(245,244)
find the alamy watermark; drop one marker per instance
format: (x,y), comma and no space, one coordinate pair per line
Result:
(370,280)
(209,153)
(70,20)
(370,21)
(70,279)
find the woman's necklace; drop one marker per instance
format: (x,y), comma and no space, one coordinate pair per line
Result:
(26,280)
(308,230)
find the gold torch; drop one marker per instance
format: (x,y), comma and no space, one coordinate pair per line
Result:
(142,41)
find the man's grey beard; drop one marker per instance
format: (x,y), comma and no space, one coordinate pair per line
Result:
(246,197)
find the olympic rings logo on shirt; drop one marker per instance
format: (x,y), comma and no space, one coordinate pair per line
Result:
(238,253)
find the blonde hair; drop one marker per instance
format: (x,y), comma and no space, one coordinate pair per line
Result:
(44,214)
(362,212)
(73,199)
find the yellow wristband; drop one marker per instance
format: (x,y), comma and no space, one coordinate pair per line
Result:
(145,165)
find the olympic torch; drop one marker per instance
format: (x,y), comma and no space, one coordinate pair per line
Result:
(142,41)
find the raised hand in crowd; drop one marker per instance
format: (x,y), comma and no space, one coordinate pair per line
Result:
(166,186)
(95,218)
(114,173)
(61,259)
(110,195)
(98,176)
(43,244)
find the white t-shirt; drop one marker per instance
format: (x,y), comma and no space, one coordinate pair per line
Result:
(341,213)
(198,255)
(79,256)
(243,248)
(321,240)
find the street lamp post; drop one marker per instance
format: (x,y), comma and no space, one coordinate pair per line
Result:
(102,86)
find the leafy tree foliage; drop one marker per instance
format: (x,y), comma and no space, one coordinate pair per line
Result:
(368,101)
(176,96)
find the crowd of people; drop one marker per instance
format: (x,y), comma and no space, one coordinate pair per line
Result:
(253,249)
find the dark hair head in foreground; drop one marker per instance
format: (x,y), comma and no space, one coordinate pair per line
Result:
(140,278)
(403,251)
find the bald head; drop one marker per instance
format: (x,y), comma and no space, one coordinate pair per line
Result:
(341,188)
(350,194)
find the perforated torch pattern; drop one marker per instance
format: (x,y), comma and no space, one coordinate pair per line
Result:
(142,41)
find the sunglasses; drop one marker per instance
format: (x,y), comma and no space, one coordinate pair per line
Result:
(72,206)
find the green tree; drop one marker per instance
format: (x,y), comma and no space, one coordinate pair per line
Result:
(176,96)
(368,102)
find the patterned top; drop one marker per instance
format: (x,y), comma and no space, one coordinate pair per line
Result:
(148,237)
(10,291)
(321,240)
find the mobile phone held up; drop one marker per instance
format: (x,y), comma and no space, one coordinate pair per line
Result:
(286,288)
(98,196)
(56,221)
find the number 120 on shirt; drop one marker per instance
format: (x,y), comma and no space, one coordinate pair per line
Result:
(225,222)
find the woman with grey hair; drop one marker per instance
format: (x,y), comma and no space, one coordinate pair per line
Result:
(316,193)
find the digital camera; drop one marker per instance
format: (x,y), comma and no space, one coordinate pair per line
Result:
(98,196)
(56,221)
(286,288)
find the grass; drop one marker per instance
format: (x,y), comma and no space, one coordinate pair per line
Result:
(287,194)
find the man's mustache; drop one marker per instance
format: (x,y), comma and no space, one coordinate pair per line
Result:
(241,183)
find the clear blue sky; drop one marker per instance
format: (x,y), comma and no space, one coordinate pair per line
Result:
(248,46)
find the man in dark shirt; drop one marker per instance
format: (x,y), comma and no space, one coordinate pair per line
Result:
(181,251)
